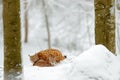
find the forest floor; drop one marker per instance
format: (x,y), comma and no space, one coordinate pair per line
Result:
(96,63)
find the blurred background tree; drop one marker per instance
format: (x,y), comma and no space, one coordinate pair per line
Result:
(46,22)
(26,21)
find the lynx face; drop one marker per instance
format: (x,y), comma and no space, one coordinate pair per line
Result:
(48,57)
(34,58)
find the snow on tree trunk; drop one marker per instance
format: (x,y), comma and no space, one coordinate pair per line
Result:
(105,23)
(12,44)
(118,26)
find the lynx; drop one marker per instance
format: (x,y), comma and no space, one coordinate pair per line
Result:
(48,57)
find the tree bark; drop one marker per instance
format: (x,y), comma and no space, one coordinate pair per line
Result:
(12,40)
(105,23)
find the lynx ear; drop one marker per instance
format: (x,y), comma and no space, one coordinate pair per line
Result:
(29,55)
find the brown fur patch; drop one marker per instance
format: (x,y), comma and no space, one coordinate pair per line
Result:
(47,57)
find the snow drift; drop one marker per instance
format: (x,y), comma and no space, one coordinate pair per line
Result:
(93,64)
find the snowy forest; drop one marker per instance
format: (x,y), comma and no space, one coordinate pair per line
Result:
(60,40)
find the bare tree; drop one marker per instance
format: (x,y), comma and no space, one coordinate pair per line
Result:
(105,23)
(118,4)
(0,2)
(26,21)
(47,24)
(12,40)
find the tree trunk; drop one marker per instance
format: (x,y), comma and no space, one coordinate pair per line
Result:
(26,22)
(47,24)
(12,40)
(118,4)
(105,23)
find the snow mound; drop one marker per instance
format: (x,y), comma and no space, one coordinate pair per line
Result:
(93,64)
(95,56)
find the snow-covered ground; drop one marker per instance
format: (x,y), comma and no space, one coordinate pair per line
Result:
(72,32)
(96,63)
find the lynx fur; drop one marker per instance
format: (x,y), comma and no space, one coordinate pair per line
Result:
(48,57)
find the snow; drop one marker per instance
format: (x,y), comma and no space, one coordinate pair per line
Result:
(96,63)
(93,63)
(85,60)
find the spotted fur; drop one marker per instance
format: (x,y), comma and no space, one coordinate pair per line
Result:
(48,57)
